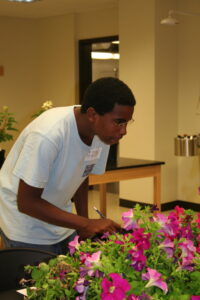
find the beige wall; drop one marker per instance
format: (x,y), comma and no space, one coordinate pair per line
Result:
(97,24)
(39,62)
(19,55)
(40,59)
(56,44)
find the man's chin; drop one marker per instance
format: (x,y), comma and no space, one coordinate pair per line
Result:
(111,141)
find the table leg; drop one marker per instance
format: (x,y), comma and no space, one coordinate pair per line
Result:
(102,190)
(157,190)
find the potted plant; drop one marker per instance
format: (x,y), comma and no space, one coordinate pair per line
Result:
(45,106)
(7,122)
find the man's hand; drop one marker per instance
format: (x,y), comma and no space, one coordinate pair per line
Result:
(95,226)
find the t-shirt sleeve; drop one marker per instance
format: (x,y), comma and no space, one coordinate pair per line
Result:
(35,160)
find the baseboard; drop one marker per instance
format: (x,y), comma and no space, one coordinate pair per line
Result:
(164,206)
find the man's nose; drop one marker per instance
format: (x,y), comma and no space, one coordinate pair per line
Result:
(123,129)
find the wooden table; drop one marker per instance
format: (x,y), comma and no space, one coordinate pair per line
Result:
(128,168)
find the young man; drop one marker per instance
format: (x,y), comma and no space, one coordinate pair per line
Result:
(49,165)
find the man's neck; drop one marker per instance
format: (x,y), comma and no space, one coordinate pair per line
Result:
(84,126)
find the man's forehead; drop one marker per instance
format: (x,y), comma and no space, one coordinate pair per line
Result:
(121,111)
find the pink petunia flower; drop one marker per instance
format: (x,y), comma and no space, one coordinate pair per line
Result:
(160,219)
(155,279)
(187,248)
(80,285)
(168,246)
(129,221)
(195,298)
(90,261)
(74,245)
(170,229)
(115,289)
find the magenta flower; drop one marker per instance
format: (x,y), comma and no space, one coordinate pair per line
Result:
(62,275)
(138,259)
(155,279)
(74,245)
(198,220)
(133,297)
(198,248)
(186,232)
(129,221)
(115,289)
(141,239)
(195,298)
(179,211)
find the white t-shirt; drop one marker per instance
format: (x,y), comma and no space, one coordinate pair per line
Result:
(48,154)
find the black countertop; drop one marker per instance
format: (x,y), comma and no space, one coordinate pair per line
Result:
(124,163)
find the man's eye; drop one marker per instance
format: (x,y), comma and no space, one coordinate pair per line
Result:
(119,121)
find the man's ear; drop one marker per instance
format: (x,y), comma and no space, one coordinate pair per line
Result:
(91,114)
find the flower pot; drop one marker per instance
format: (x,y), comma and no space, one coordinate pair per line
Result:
(2,157)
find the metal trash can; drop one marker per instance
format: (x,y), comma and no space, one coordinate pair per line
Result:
(187,145)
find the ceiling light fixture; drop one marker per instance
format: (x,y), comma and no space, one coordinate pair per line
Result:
(171,20)
(24,1)
(104,55)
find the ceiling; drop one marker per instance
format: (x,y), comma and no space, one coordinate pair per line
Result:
(47,8)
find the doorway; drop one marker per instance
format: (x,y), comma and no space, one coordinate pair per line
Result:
(99,57)
(91,68)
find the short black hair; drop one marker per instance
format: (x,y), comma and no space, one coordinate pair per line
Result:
(104,93)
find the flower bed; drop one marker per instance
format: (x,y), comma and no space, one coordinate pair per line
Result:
(153,257)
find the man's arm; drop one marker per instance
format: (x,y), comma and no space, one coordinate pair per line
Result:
(30,202)
(80,199)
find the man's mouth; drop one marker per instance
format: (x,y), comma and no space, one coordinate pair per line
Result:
(115,140)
